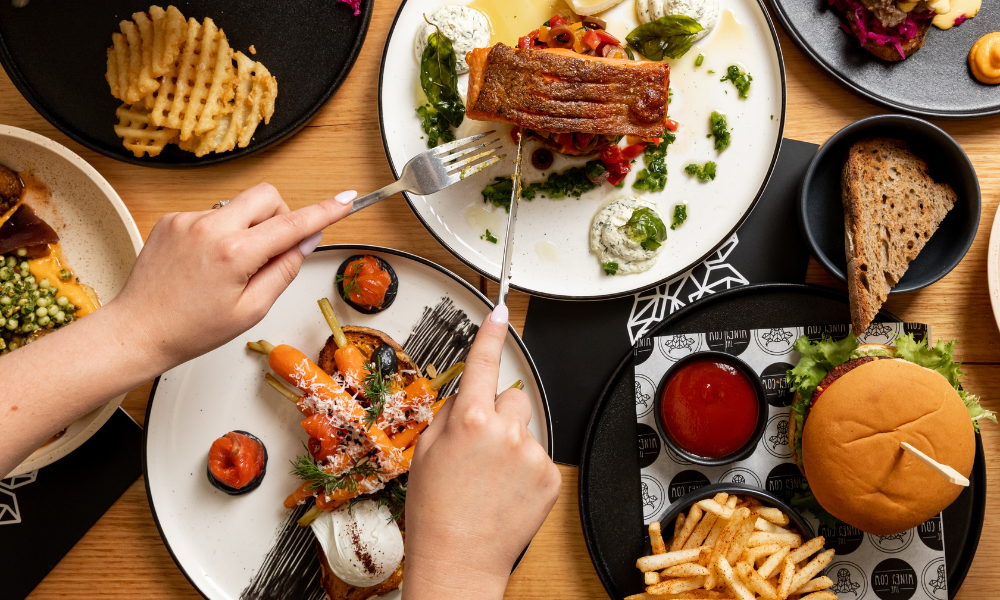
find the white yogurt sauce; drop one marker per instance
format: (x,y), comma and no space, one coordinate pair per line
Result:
(611,243)
(467,28)
(706,12)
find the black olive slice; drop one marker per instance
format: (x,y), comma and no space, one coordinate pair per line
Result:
(385,361)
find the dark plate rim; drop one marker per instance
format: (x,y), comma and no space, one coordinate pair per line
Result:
(23,86)
(363,248)
(746,214)
(884,121)
(978,470)
(848,83)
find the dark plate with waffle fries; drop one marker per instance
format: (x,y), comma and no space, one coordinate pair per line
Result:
(909,198)
(228,59)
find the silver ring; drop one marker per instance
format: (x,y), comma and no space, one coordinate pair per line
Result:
(220,204)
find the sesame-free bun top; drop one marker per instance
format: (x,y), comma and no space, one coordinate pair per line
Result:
(851,445)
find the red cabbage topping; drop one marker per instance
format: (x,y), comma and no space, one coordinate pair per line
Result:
(355,4)
(962,18)
(871,29)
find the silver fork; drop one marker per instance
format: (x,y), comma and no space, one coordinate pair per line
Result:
(437,168)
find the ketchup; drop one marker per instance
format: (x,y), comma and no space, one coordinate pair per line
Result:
(709,407)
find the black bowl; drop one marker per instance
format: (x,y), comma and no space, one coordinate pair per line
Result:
(821,212)
(685,502)
(762,411)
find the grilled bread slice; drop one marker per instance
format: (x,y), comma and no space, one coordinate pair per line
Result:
(892,207)
(367,340)
(888,52)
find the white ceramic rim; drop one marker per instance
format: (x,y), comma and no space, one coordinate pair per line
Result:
(992,265)
(43,457)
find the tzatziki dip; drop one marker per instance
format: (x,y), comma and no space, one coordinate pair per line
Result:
(626,235)
(467,28)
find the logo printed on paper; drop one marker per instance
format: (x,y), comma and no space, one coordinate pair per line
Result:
(645,389)
(849,580)
(642,350)
(677,458)
(730,342)
(776,341)
(775,383)
(652,496)
(929,533)
(894,579)
(897,542)
(684,482)
(649,445)
(775,437)
(10,514)
(740,475)
(816,333)
(675,347)
(878,333)
(843,538)
(784,480)
(934,579)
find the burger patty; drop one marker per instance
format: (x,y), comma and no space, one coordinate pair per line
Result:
(841,370)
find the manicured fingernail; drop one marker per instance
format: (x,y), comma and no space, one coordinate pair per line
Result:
(499,314)
(309,244)
(346,197)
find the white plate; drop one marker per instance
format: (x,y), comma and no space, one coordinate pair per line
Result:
(552,257)
(97,235)
(220,541)
(993,267)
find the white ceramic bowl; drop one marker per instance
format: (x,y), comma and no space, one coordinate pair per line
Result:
(97,234)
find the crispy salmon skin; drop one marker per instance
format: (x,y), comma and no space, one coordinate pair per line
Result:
(564,92)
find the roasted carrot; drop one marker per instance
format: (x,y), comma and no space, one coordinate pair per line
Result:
(408,437)
(351,363)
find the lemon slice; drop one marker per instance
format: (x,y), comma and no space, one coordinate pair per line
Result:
(591,7)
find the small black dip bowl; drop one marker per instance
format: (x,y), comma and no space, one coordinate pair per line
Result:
(821,210)
(762,410)
(682,504)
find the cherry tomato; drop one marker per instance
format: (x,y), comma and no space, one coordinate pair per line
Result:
(592,39)
(611,155)
(583,139)
(615,179)
(604,36)
(557,21)
(620,168)
(634,150)
(528,41)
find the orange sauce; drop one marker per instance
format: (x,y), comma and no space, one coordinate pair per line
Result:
(48,267)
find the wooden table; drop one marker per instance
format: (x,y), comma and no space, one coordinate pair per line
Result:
(123,556)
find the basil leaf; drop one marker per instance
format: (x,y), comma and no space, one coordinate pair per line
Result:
(667,37)
(439,81)
(645,227)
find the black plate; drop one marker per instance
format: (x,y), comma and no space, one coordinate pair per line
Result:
(55,53)
(933,83)
(610,507)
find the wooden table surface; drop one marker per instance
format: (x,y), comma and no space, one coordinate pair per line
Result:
(122,556)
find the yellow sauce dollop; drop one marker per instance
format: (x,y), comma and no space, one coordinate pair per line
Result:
(984,58)
(48,267)
(949,13)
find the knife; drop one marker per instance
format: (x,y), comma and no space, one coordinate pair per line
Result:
(508,244)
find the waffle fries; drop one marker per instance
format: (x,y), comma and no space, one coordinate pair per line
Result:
(731,547)
(179,85)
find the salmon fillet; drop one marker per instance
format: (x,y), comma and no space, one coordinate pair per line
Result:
(564,92)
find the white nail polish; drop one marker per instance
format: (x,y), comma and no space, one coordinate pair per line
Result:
(309,244)
(499,314)
(346,197)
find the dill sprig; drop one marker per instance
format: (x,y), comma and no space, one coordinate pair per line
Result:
(308,470)
(351,281)
(392,496)
(374,388)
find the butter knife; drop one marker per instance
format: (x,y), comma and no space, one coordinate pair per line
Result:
(508,243)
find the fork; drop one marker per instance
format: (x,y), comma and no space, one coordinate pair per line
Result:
(432,171)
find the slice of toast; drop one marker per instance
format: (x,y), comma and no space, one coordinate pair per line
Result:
(367,340)
(888,52)
(892,207)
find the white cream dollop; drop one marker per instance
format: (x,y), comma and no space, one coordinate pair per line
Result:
(467,28)
(706,12)
(362,543)
(610,241)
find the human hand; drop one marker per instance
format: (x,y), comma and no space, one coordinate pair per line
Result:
(480,485)
(205,277)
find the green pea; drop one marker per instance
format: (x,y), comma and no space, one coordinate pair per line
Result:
(53,310)
(43,302)
(60,317)
(28,327)
(5,274)
(3,322)
(12,324)
(62,300)
(14,346)
(5,300)
(45,320)
(41,312)
(64,275)
(25,266)
(43,284)
(22,252)
(22,301)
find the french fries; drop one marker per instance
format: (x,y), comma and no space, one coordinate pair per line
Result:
(731,547)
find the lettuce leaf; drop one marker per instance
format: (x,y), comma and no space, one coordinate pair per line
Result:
(804,500)
(816,359)
(941,358)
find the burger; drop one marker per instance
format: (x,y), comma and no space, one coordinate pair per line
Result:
(890,29)
(854,405)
